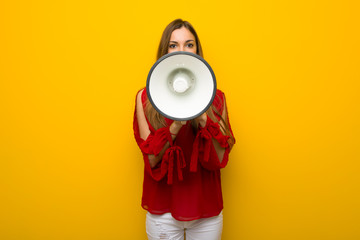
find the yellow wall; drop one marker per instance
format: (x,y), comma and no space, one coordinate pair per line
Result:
(69,72)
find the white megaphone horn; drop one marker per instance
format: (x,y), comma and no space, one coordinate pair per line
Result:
(181,86)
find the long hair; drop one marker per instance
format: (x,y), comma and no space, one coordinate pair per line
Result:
(154,117)
(165,38)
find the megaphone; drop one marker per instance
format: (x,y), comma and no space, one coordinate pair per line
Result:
(181,86)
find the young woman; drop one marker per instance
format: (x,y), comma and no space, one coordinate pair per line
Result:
(182,185)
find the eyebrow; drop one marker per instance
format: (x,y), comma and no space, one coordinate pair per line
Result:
(185,42)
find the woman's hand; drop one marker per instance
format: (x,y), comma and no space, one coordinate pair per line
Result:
(176,126)
(202,119)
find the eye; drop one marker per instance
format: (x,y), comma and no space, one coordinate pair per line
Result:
(172,46)
(190,45)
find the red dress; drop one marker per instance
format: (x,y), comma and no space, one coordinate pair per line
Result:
(186,182)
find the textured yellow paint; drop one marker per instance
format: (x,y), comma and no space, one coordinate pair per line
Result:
(69,72)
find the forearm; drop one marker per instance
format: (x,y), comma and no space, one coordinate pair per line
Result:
(219,150)
(155,159)
(174,130)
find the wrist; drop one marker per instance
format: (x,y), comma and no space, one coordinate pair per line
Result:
(203,121)
(175,128)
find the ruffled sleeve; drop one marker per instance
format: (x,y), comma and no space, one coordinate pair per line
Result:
(153,145)
(204,152)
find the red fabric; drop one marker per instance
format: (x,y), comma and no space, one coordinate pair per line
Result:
(192,188)
(203,149)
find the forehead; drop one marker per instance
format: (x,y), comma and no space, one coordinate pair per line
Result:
(181,34)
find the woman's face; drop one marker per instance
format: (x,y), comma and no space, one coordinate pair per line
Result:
(182,40)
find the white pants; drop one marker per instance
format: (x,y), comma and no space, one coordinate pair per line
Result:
(166,227)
